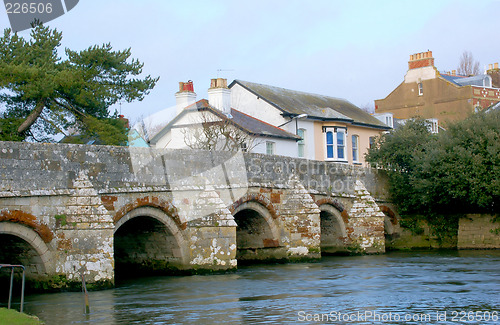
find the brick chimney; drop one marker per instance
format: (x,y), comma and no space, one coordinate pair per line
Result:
(125,120)
(219,95)
(420,60)
(185,96)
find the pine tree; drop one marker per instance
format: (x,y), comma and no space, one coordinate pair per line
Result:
(45,94)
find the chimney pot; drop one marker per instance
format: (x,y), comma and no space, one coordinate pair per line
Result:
(185,96)
(186,86)
(496,65)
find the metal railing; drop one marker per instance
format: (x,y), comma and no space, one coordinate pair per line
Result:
(13,267)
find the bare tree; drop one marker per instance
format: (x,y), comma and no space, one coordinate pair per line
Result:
(467,65)
(147,128)
(212,132)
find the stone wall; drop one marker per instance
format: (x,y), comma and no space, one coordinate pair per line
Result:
(478,231)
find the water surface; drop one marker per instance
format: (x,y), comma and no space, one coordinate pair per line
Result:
(395,287)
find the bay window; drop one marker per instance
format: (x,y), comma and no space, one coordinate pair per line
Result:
(335,143)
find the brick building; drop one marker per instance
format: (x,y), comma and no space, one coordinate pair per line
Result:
(431,94)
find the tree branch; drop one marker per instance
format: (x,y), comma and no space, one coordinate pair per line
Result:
(32,117)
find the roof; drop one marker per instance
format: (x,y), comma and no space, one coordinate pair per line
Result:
(259,127)
(242,121)
(483,80)
(319,107)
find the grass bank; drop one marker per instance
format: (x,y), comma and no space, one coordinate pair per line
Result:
(13,317)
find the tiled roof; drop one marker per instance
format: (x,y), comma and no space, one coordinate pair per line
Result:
(320,107)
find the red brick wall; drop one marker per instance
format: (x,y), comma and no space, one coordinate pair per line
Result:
(421,63)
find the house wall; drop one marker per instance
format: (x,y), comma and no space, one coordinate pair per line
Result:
(309,127)
(248,103)
(441,99)
(282,147)
(364,140)
(175,137)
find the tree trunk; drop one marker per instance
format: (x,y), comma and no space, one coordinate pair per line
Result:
(32,117)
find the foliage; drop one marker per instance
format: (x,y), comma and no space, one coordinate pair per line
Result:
(51,94)
(8,129)
(443,176)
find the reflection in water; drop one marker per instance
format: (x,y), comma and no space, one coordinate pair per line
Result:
(398,283)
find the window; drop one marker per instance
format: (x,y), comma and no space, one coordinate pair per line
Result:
(388,121)
(420,89)
(329,145)
(336,143)
(372,142)
(340,144)
(302,142)
(355,153)
(244,147)
(270,148)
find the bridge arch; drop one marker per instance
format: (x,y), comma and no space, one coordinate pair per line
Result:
(390,220)
(257,232)
(333,229)
(23,245)
(148,240)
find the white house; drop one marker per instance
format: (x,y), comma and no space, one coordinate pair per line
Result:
(331,129)
(212,123)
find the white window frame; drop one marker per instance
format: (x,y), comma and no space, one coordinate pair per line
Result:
(355,148)
(301,144)
(335,131)
(270,148)
(420,88)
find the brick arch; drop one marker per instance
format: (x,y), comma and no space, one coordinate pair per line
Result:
(154,202)
(255,197)
(336,204)
(388,211)
(29,220)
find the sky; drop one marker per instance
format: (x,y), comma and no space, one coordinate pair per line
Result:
(357,50)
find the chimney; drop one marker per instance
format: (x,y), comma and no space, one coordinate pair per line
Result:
(490,66)
(453,72)
(125,121)
(495,66)
(420,60)
(219,96)
(185,96)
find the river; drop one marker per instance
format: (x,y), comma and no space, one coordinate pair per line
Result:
(445,287)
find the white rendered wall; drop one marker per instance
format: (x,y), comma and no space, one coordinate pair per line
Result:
(282,147)
(419,74)
(246,102)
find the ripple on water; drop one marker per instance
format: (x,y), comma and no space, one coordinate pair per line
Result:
(399,283)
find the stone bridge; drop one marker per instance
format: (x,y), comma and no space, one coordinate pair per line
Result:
(106,211)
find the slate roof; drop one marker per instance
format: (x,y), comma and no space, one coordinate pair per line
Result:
(318,107)
(242,121)
(479,80)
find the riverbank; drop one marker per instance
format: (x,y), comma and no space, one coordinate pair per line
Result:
(13,317)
